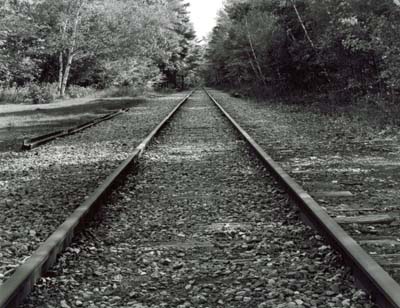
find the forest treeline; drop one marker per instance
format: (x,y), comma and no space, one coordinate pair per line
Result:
(341,48)
(95,43)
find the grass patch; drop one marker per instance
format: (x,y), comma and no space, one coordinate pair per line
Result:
(371,110)
(36,94)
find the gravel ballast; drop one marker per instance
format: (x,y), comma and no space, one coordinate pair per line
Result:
(200,224)
(338,155)
(40,188)
(343,154)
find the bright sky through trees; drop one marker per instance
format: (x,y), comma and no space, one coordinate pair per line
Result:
(203,15)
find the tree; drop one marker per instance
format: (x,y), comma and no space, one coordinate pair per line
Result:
(317,46)
(19,43)
(95,42)
(181,44)
(72,29)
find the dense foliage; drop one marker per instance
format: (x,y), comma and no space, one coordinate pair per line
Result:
(340,47)
(96,43)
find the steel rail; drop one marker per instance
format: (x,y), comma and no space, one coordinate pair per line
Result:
(19,285)
(34,142)
(384,290)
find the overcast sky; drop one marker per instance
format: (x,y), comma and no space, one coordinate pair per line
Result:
(203,15)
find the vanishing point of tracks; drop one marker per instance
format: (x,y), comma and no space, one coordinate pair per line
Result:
(200,223)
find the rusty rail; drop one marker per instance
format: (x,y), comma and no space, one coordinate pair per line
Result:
(19,285)
(384,290)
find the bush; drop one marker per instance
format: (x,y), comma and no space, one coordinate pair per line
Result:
(30,94)
(13,95)
(40,94)
(124,91)
(74,91)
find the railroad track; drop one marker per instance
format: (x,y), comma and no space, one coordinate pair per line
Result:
(199,223)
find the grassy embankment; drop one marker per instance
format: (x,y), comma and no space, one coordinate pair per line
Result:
(374,110)
(21,118)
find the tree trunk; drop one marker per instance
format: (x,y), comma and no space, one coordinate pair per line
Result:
(63,30)
(70,50)
(60,72)
(303,26)
(66,73)
(261,75)
(174,79)
(310,41)
(253,67)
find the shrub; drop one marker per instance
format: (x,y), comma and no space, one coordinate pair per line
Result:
(40,94)
(11,95)
(14,95)
(29,94)
(124,91)
(74,91)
